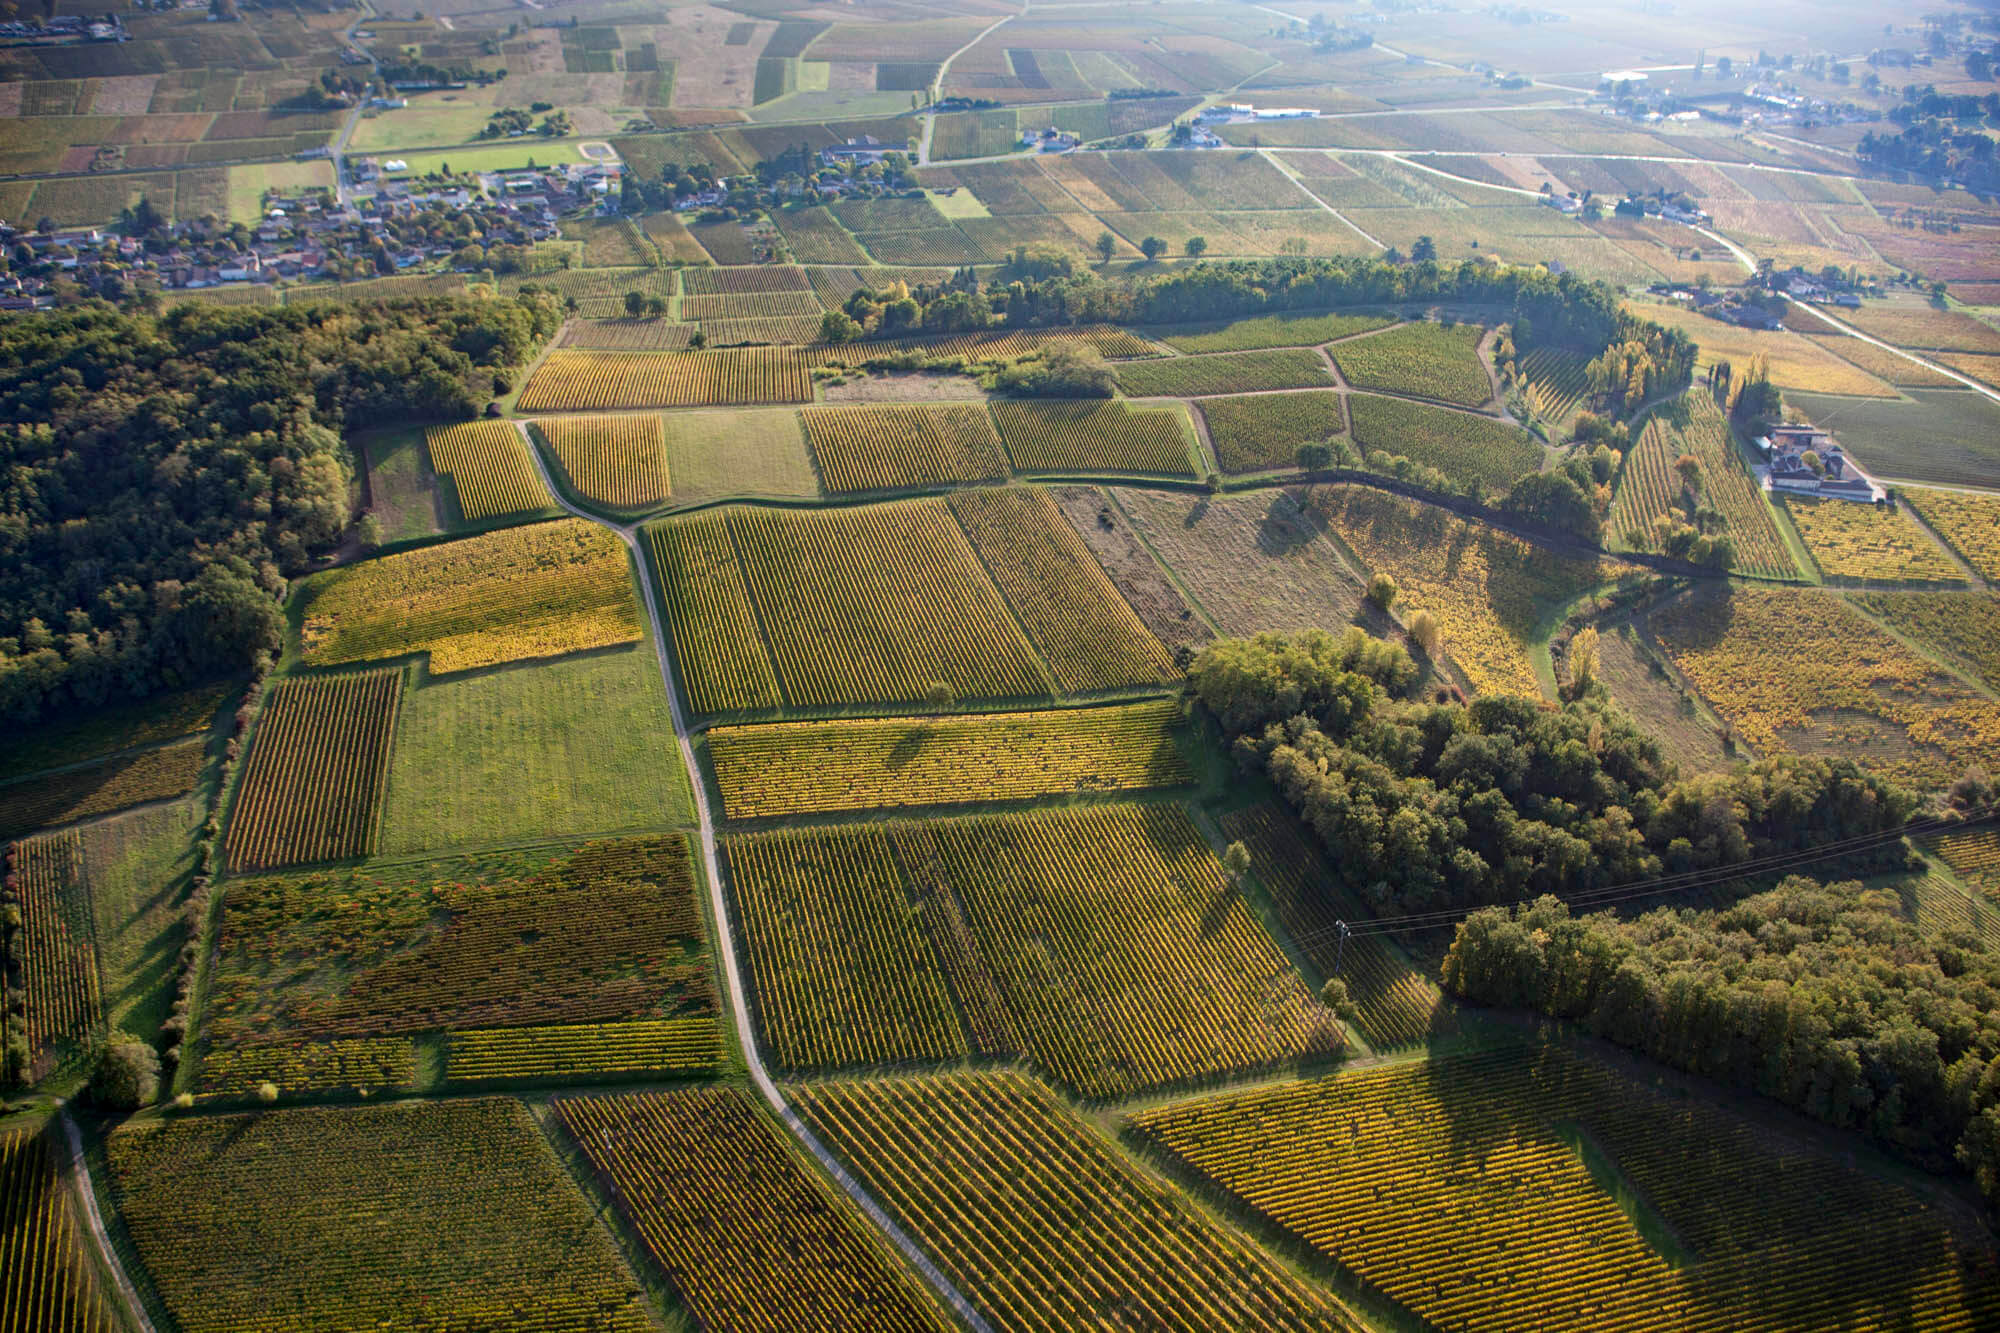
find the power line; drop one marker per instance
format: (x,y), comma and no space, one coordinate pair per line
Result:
(1608,894)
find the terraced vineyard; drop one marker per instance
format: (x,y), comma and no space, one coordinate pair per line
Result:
(48,1281)
(594,381)
(843,975)
(487,466)
(1423,360)
(1971,523)
(1093,436)
(1124,958)
(1088,634)
(540,591)
(1398,1004)
(647,1049)
(55,951)
(1039,1221)
(718,651)
(312,789)
(1455,1187)
(1649,486)
(1257,432)
(1869,543)
(792,768)
(618,462)
(892,445)
(1231,372)
(748,1237)
(236,1216)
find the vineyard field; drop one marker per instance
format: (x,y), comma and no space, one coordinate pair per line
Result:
(718,651)
(1094,436)
(595,381)
(65,741)
(892,445)
(1962,627)
(1040,1222)
(645,1049)
(1869,543)
(607,932)
(71,794)
(1399,1006)
(749,1238)
(625,335)
(1649,486)
(843,975)
(1088,634)
(350,1063)
(352,1218)
(1970,523)
(1124,959)
(1260,331)
(487,467)
(1554,383)
(545,590)
(1456,1188)
(312,788)
(1261,432)
(1422,360)
(48,1283)
(1228,372)
(1974,856)
(56,948)
(1805,672)
(1462,445)
(618,462)
(791,768)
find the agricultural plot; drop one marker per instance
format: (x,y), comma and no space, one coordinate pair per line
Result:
(117,783)
(1969,523)
(1974,856)
(1641,684)
(468,1216)
(1263,432)
(1227,372)
(1920,325)
(625,335)
(1260,331)
(894,445)
(1963,627)
(816,237)
(54,953)
(1805,672)
(1463,445)
(750,305)
(1945,437)
(1124,959)
(1649,486)
(1796,361)
(1133,570)
(648,1049)
(1398,1005)
(312,788)
(1554,386)
(69,740)
(541,591)
(486,465)
(599,293)
(719,652)
(1090,638)
(843,973)
(1494,596)
(739,452)
(606,933)
(618,462)
(595,381)
(1423,360)
(1870,543)
(1091,435)
(1040,1222)
(1250,562)
(749,1238)
(1458,1189)
(790,768)
(135,868)
(352,1064)
(48,1281)
(879,605)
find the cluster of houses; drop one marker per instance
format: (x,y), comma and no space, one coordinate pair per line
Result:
(1236,113)
(1788,468)
(1049,140)
(65,29)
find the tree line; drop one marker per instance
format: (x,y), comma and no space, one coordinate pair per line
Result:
(161,476)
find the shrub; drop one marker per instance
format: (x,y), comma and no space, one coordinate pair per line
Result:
(127,1075)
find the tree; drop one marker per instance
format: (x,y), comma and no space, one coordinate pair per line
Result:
(1689,468)
(1335,997)
(1554,501)
(1152,247)
(836,326)
(1583,659)
(1315,455)
(940,695)
(1423,248)
(1812,460)
(635,304)
(1382,589)
(1425,634)
(1236,863)
(1107,245)
(1197,246)
(127,1076)
(267,1092)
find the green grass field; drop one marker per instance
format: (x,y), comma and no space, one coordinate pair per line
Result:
(403,490)
(579,746)
(136,864)
(744,451)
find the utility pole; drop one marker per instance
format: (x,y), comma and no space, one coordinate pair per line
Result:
(1340,949)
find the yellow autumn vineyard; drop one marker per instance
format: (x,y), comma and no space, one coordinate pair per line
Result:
(619,462)
(488,467)
(1857,541)
(1971,523)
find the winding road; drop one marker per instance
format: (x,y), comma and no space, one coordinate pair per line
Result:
(724,935)
(79,1169)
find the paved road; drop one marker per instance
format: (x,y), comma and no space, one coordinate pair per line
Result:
(937,83)
(724,935)
(362,14)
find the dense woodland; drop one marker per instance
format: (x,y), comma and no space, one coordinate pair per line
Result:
(1818,995)
(161,476)
(1440,804)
